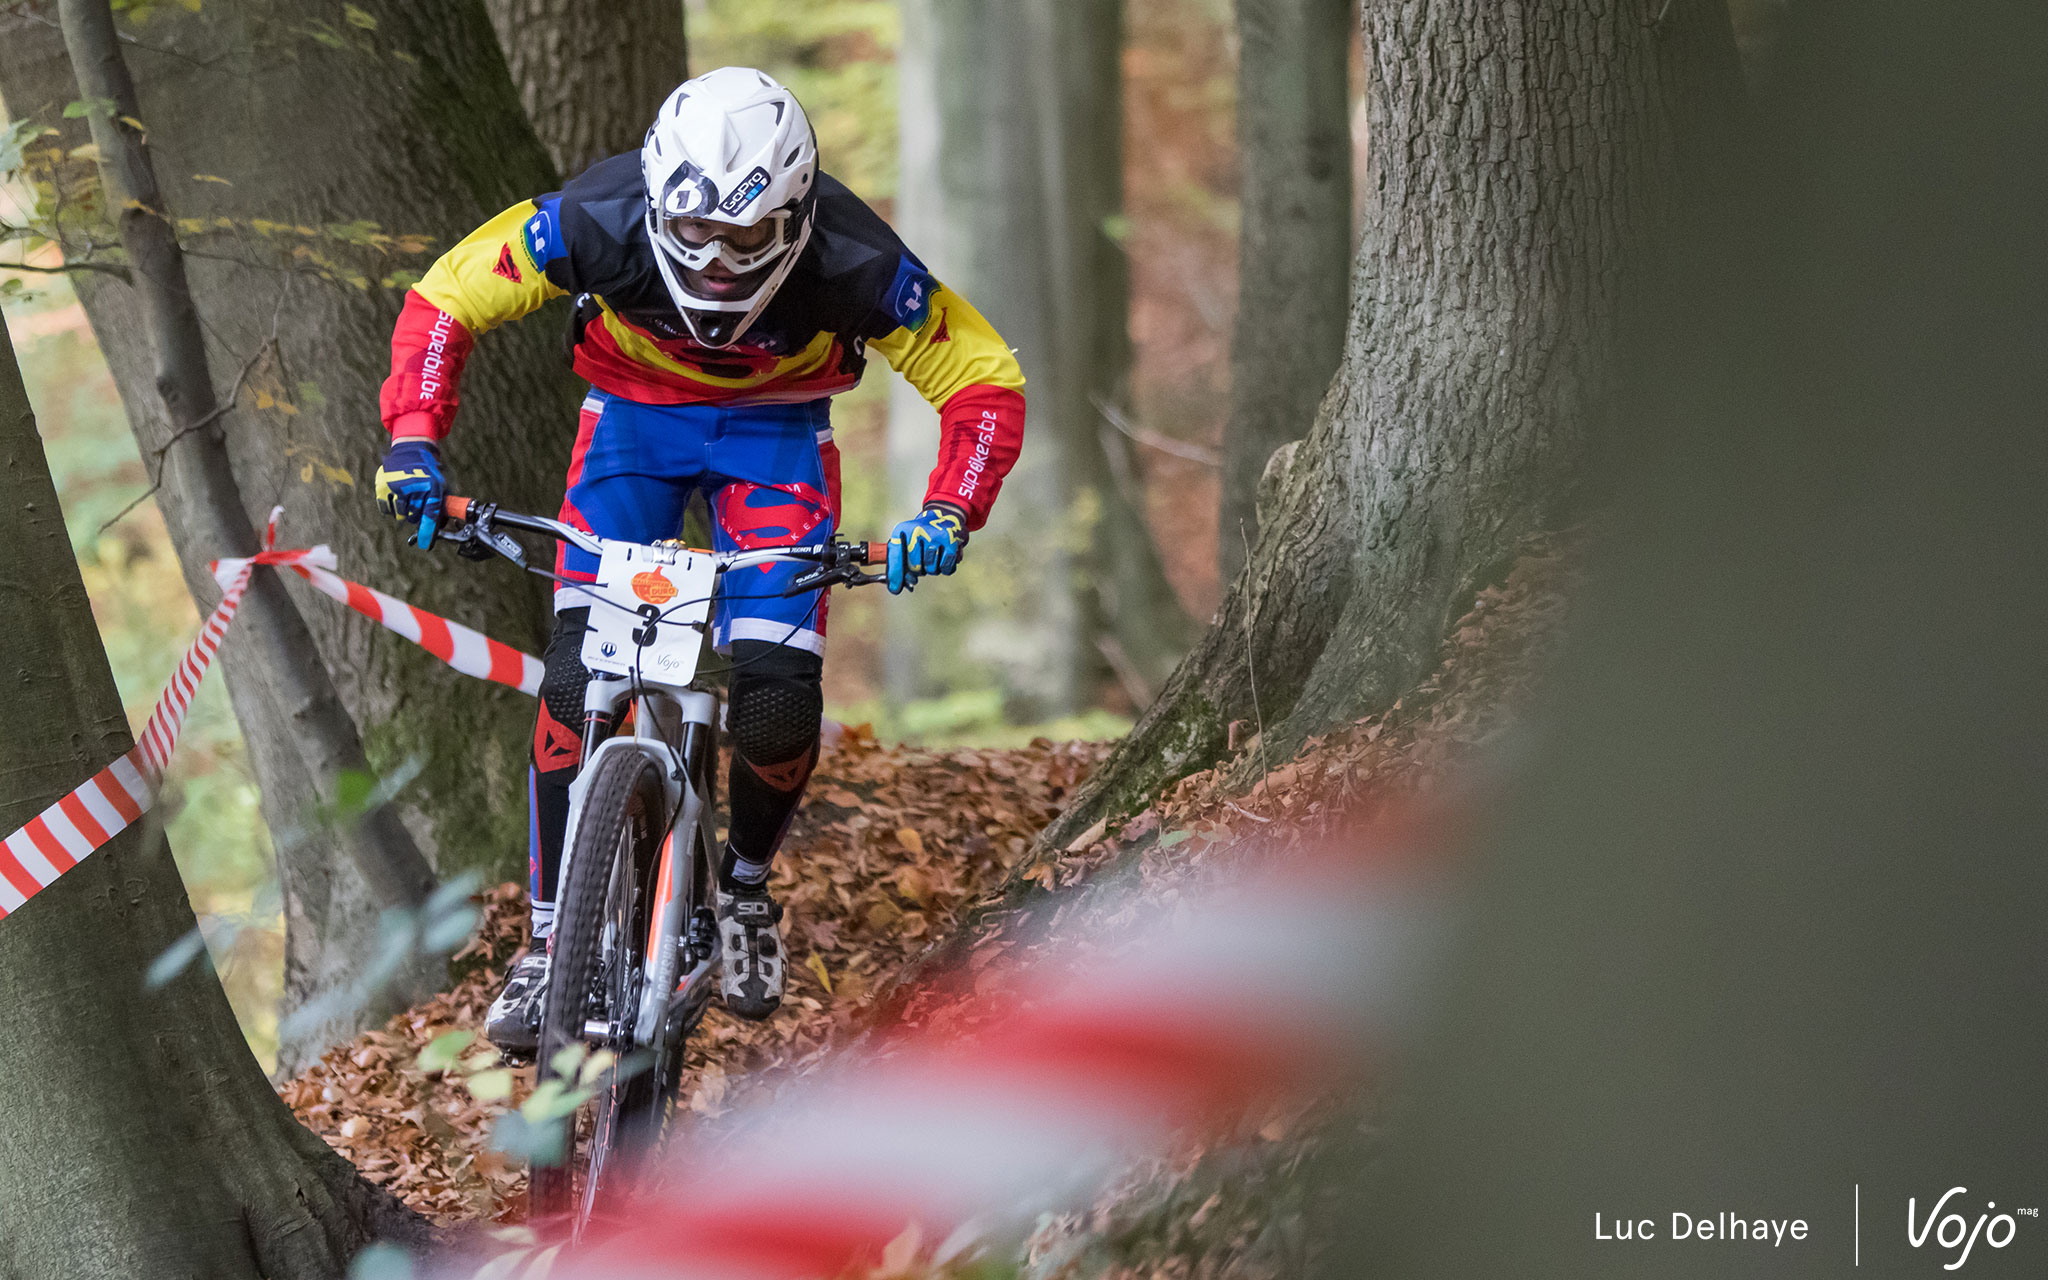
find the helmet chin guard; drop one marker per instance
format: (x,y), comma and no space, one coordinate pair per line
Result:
(728,152)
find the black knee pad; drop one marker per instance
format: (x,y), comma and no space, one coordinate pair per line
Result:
(564,677)
(777,701)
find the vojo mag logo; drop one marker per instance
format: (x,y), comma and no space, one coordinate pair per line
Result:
(1948,1229)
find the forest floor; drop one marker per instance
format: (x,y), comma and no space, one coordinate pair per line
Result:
(908,872)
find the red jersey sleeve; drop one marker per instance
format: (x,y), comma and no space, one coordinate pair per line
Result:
(491,277)
(428,350)
(962,366)
(981,429)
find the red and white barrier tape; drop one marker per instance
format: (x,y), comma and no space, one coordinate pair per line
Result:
(1270,987)
(58,838)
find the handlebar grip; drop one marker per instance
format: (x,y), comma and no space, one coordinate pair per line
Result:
(874,553)
(454,508)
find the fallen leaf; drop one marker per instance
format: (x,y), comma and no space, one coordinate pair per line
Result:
(912,885)
(911,840)
(883,914)
(1088,837)
(816,964)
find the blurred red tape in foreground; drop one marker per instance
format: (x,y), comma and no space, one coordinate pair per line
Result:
(55,840)
(1265,988)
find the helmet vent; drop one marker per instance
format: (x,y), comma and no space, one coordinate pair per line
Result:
(794,151)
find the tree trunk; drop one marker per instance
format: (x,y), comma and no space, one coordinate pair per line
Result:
(590,73)
(1521,157)
(434,144)
(1294,240)
(1011,179)
(141,1137)
(1762,892)
(194,468)
(1131,616)
(969,207)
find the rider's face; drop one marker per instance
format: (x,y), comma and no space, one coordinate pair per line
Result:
(716,280)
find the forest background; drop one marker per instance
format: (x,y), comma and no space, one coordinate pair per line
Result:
(1179,226)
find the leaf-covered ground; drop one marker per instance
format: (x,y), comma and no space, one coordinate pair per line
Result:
(893,845)
(907,875)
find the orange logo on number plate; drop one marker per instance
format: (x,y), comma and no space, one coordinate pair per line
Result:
(653,588)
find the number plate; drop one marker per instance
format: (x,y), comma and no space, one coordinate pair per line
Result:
(653,602)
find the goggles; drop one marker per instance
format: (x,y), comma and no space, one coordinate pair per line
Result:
(696,233)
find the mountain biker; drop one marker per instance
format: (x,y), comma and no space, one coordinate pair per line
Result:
(726,288)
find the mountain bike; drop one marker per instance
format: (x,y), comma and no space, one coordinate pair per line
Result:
(635,944)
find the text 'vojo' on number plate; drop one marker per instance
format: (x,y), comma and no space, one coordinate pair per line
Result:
(650,605)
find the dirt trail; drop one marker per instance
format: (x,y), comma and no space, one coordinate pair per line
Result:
(893,846)
(901,849)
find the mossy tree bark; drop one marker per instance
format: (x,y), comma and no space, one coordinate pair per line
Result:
(590,73)
(1521,159)
(141,1137)
(314,129)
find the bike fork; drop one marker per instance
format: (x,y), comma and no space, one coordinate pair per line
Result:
(670,920)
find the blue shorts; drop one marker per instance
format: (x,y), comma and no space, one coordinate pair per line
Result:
(769,471)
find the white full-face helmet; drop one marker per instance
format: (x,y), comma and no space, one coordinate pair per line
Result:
(731,168)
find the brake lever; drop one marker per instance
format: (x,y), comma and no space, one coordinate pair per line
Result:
(812,579)
(830,576)
(478,540)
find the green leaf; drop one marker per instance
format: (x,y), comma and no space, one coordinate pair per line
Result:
(553,1100)
(394,782)
(450,931)
(594,1069)
(453,893)
(100,107)
(174,959)
(380,1261)
(333,1005)
(538,1143)
(352,788)
(494,1085)
(359,18)
(13,140)
(310,395)
(444,1050)
(1173,838)
(567,1059)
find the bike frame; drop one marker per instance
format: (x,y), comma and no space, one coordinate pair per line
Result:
(664,999)
(670,1000)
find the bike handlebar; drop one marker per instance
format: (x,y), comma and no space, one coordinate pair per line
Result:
(461,510)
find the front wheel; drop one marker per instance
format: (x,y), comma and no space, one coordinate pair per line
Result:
(594,981)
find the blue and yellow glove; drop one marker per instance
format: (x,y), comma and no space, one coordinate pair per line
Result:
(929,543)
(410,487)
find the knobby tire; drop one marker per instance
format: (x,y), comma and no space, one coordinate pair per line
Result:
(624,817)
